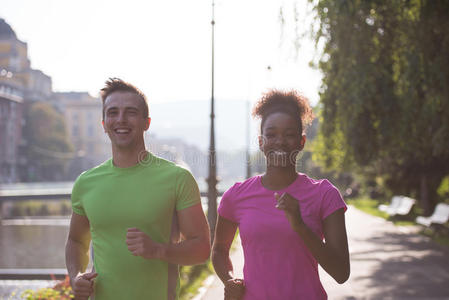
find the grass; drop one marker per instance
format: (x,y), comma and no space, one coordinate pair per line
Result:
(40,208)
(440,239)
(369,206)
(192,278)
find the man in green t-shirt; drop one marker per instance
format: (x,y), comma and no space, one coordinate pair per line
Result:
(142,213)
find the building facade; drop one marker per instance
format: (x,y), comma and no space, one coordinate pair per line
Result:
(11,107)
(13,58)
(20,85)
(83,115)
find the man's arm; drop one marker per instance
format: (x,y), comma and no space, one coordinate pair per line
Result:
(193,249)
(77,257)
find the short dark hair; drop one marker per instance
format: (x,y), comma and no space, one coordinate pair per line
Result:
(115,84)
(291,103)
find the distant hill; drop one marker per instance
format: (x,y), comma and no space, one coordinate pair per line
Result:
(190,121)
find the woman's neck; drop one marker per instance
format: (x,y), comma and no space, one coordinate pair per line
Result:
(278,178)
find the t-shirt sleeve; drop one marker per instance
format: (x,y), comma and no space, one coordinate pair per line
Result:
(226,206)
(187,191)
(77,205)
(332,200)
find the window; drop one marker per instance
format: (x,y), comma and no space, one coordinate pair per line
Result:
(75,130)
(90,130)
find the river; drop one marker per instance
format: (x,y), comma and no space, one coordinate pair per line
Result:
(33,243)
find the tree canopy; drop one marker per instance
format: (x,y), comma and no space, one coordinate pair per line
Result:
(385,91)
(47,149)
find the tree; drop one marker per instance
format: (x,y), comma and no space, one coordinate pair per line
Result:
(385,92)
(47,147)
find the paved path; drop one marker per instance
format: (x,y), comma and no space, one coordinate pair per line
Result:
(387,262)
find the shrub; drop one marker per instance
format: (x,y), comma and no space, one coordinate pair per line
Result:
(61,291)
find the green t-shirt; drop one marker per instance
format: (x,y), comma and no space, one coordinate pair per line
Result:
(145,196)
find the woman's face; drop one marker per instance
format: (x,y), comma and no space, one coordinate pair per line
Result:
(281,139)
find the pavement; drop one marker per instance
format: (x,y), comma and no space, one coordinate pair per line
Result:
(387,262)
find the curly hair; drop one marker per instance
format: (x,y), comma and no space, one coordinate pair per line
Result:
(291,103)
(116,84)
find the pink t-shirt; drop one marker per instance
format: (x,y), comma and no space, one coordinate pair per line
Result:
(277,263)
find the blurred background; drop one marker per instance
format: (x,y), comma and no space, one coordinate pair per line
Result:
(57,56)
(376,74)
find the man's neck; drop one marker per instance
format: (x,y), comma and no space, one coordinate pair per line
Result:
(125,158)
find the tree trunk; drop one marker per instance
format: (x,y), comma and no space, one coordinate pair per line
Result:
(424,196)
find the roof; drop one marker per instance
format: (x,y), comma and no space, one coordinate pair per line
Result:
(6,31)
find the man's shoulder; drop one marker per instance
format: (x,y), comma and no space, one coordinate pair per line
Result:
(167,165)
(101,168)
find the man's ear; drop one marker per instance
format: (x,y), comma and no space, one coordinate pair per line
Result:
(102,124)
(148,125)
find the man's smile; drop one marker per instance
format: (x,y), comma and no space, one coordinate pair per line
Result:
(122,130)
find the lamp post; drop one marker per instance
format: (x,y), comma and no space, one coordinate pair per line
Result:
(212,179)
(248,140)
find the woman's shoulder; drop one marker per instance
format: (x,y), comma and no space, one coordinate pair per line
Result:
(242,186)
(322,184)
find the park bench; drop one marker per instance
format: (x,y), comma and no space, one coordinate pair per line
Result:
(395,202)
(400,205)
(440,216)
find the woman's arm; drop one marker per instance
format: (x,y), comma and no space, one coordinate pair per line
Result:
(224,235)
(333,254)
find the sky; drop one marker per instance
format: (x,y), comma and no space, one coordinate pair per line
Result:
(164,47)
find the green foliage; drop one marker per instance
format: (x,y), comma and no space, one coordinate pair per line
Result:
(369,206)
(61,291)
(192,278)
(40,208)
(47,148)
(435,235)
(443,189)
(46,294)
(385,91)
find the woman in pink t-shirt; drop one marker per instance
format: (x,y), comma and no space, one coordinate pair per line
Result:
(288,222)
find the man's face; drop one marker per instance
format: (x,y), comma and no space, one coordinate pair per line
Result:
(124,121)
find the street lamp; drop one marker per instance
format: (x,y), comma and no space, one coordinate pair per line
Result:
(212,179)
(248,140)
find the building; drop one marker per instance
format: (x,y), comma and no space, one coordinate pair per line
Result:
(20,85)
(82,114)
(38,86)
(13,53)
(11,107)
(34,84)
(12,59)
